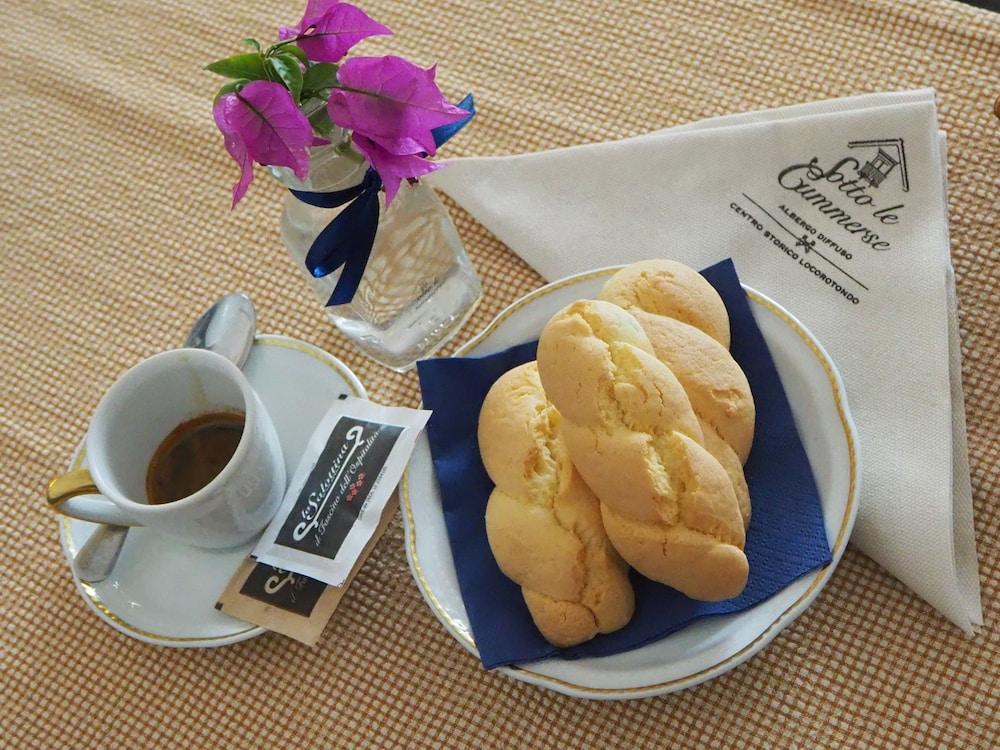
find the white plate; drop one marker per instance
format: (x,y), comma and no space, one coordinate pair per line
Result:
(708,647)
(164,593)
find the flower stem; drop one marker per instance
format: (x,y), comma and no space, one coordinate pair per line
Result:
(278,45)
(344,149)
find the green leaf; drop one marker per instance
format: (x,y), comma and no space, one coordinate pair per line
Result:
(291,49)
(230,87)
(286,68)
(253,43)
(319,77)
(247,65)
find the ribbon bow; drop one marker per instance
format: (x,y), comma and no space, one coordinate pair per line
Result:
(347,240)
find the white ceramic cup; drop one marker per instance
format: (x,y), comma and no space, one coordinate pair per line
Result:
(142,407)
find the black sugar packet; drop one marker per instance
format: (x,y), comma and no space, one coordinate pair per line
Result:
(288,603)
(336,507)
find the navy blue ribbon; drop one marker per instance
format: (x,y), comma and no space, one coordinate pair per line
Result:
(347,240)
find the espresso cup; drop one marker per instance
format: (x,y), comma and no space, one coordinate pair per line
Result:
(135,415)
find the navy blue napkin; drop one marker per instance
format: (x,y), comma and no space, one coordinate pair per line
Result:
(786,539)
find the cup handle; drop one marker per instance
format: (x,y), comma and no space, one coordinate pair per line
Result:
(75,494)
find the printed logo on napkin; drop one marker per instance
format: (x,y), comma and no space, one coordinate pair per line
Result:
(830,209)
(351,466)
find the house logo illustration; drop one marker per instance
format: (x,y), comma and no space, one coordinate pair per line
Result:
(886,157)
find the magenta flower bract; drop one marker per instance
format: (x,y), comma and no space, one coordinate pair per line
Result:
(391,101)
(330,28)
(234,144)
(392,106)
(262,123)
(392,168)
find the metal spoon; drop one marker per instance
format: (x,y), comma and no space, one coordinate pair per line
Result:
(228,328)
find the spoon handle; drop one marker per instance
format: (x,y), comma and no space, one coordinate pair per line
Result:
(97,557)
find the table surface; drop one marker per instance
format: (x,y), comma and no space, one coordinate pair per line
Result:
(116,233)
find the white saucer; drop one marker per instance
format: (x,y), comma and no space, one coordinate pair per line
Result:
(164,593)
(708,647)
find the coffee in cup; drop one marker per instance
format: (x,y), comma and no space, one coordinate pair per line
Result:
(192,455)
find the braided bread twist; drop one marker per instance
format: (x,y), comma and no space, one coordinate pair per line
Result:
(544,524)
(688,327)
(668,505)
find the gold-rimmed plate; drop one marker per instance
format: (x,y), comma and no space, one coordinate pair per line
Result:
(164,593)
(709,647)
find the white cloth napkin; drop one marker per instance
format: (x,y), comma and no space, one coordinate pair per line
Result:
(727,187)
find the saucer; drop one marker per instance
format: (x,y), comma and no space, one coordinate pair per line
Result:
(164,593)
(708,647)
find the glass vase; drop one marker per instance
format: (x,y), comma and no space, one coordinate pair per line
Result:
(418,287)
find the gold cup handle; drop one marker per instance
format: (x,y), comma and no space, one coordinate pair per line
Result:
(63,489)
(65,486)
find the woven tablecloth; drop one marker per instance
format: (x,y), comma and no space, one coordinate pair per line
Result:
(117,233)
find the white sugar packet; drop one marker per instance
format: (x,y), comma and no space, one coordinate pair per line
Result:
(333,504)
(855,245)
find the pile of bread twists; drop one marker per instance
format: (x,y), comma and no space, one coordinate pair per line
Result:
(622,445)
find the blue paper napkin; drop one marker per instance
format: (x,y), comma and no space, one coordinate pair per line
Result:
(786,539)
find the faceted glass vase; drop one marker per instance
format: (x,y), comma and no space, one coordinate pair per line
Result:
(419,286)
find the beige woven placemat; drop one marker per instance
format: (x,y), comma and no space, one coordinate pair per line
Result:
(116,233)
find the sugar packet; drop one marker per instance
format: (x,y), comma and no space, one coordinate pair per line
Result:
(335,499)
(290,603)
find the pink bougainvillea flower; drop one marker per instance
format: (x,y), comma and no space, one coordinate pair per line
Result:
(262,123)
(329,28)
(392,168)
(234,144)
(392,102)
